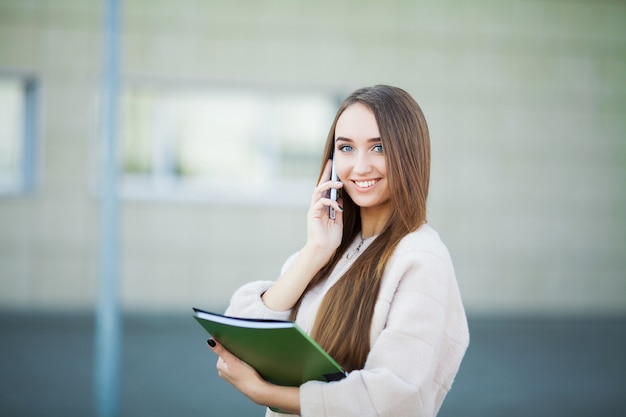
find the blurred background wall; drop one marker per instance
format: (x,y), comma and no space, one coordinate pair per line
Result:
(526,102)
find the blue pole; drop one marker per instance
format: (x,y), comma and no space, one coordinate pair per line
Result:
(108,333)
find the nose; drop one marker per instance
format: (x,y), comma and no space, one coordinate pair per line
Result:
(362,164)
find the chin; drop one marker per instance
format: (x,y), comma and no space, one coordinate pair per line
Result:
(369,203)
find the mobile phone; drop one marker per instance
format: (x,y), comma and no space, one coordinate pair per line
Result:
(333,191)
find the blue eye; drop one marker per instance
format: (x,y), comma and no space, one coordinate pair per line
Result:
(345,148)
(378,148)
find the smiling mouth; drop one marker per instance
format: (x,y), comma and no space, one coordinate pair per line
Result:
(366,184)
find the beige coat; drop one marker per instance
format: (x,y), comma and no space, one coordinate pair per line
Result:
(419,335)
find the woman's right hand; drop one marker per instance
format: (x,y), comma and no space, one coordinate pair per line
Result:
(323,238)
(324,233)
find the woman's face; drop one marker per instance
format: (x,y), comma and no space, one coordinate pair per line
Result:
(359,158)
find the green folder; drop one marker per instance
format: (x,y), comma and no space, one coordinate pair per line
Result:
(280,351)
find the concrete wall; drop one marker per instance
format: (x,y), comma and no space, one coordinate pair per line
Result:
(526,102)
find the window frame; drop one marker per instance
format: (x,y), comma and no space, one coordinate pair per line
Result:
(27,175)
(283,192)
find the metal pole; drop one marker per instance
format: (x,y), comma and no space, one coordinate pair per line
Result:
(108,333)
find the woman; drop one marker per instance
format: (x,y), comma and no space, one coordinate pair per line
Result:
(374,286)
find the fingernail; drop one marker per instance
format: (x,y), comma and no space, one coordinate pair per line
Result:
(211,343)
(340,208)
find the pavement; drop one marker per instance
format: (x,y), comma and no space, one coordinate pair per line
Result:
(515,366)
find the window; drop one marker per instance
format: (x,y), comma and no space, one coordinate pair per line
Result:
(243,146)
(17,134)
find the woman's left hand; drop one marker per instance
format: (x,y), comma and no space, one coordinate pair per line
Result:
(238,373)
(248,381)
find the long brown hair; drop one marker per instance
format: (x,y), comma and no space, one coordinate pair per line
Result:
(343,321)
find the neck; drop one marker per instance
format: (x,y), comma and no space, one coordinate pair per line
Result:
(373,220)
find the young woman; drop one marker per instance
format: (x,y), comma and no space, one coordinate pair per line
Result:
(374,286)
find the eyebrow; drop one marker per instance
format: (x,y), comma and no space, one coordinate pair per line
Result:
(341,138)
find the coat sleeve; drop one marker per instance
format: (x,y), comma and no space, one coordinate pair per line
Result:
(416,353)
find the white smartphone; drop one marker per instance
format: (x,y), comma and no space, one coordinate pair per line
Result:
(333,191)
